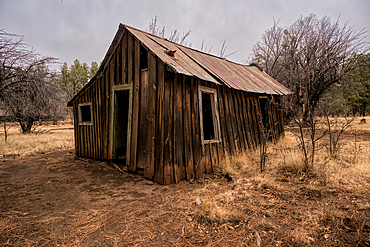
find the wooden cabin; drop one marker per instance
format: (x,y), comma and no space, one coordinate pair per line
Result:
(170,112)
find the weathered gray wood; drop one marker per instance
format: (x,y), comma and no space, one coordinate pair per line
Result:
(124,59)
(187,120)
(168,173)
(135,97)
(151,97)
(159,136)
(197,147)
(178,155)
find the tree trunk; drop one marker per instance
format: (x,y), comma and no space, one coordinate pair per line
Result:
(363,110)
(26,126)
(5,130)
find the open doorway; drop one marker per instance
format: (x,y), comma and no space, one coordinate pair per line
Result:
(122,124)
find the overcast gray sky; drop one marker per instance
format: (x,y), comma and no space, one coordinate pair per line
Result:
(83,29)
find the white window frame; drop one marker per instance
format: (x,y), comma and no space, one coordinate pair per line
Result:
(215,115)
(80,115)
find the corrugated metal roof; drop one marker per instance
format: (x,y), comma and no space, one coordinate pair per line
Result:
(210,68)
(181,63)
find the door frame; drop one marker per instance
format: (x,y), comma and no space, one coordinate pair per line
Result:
(114,102)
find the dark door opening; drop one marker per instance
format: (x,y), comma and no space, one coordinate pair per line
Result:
(121,123)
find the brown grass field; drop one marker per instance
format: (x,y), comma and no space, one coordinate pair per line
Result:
(50,198)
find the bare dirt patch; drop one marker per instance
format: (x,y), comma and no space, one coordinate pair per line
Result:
(89,203)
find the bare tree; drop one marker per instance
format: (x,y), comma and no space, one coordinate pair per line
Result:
(223,51)
(308,133)
(335,129)
(309,56)
(28,89)
(174,36)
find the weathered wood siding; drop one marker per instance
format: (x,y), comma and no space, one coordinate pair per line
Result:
(165,129)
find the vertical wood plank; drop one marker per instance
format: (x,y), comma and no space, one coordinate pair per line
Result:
(102,115)
(252,118)
(206,159)
(118,68)
(84,130)
(106,101)
(110,106)
(214,155)
(101,106)
(224,146)
(247,124)
(75,129)
(159,136)
(134,52)
(130,58)
(179,148)
(197,147)
(190,173)
(241,119)
(96,86)
(143,120)
(257,111)
(229,125)
(150,148)
(92,132)
(124,58)
(237,134)
(80,146)
(88,128)
(168,175)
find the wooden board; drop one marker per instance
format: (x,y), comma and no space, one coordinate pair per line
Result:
(223,122)
(178,154)
(134,48)
(110,105)
(159,133)
(143,120)
(241,119)
(247,124)
(151,97)
(229,125)
(106,114)
(168,129)
(124,58)
(197,148)
(252,120)
(187,120)
(75,124)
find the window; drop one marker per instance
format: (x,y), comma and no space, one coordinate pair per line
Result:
(209,120)
(85,114)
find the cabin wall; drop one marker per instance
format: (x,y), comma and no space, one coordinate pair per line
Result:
(165,142)
(93,141)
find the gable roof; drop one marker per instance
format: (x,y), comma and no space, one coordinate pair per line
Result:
(195,63)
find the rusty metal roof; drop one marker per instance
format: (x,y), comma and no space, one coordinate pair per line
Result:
(207,67)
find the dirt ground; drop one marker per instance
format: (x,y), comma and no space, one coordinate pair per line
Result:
(54,199)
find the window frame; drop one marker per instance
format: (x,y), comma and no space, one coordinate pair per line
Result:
(80,122)
(215,114)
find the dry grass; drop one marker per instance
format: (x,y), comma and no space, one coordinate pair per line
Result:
(46,138)
(284,179)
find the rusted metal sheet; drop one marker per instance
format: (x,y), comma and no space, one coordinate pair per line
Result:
(238,76)
(207,67)
(180,62)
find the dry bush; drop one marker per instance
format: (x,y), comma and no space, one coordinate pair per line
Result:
(212,211)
